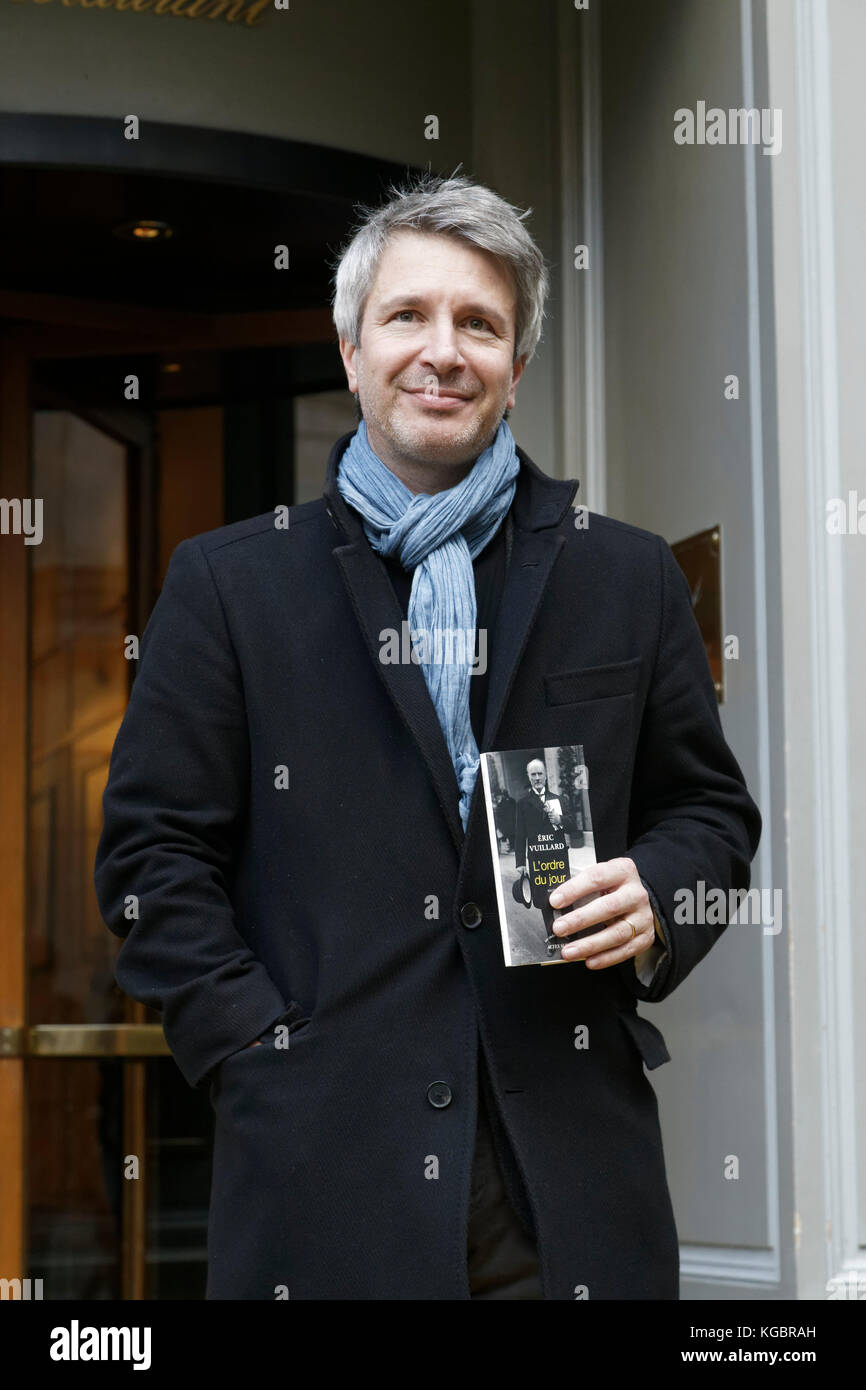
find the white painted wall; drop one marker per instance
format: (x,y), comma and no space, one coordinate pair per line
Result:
(819,197)
(514,114)
(679,251)
(847,32)
(324,72)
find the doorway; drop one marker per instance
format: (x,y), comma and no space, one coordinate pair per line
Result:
(116,1147)
(136,426)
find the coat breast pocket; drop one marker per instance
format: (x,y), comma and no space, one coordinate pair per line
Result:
(615,679)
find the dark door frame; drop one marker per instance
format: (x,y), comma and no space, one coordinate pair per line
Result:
(195,152)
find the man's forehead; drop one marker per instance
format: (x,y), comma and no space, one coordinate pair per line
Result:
(410,262)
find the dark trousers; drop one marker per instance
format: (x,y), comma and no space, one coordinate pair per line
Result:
(502,1259)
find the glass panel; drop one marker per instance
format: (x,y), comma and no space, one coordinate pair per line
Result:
(93,1233)
(79,690)
(75,1176)
(180,1130)
(320,418)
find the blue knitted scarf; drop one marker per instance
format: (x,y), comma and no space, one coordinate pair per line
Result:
(438,536)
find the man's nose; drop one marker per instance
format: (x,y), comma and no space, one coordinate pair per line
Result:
(441,349)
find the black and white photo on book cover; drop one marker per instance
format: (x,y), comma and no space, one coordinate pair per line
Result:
(538,816)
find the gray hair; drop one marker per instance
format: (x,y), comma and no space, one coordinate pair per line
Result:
(455,207)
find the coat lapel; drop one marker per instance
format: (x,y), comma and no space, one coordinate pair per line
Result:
(532,557)
(539,504)
(376,608)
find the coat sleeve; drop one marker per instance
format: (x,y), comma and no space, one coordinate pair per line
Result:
(691,817)
(174,805)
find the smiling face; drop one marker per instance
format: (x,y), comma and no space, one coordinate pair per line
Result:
(435,367)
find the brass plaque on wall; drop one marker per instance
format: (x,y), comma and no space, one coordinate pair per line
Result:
(699,558)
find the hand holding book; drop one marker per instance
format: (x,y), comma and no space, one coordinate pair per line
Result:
(620,905)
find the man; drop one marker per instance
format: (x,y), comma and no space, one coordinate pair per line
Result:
(536,815)
(399,1116)
(505,813)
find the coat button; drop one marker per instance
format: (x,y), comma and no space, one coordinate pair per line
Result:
(471,915)
(439,1094)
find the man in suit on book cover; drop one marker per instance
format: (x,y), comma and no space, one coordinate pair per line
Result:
(539,811)
(397,1114)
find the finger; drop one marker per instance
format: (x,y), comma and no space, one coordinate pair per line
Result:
(626,901)
(607,958)
(610,938)
(618,936)
(601,878)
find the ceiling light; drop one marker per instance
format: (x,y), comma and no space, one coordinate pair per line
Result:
(143,229)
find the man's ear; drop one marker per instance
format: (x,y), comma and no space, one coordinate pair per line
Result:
(347,352)
(516,373)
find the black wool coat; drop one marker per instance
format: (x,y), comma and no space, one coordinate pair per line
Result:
(282,842)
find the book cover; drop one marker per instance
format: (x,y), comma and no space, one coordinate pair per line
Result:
(538,816)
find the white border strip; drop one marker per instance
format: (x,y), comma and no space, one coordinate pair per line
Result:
(582,308)
(766,877)
(827,635)
(729,1265)
(494,855)
(593,307)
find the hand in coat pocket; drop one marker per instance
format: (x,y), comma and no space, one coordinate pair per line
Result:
(294,1018)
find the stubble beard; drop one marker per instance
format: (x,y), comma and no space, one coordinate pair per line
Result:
(420,446)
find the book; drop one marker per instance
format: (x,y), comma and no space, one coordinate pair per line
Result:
(538,816)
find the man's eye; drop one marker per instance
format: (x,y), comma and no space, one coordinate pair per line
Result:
(400,312)
(477,323)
